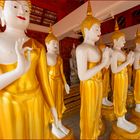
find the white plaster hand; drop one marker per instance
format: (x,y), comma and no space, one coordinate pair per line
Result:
(130,57)
(110,52)
(55,116)
(105,56)
(23,64)
(109,61)
(2,17)
(67,88)
(107,66)
(133,58)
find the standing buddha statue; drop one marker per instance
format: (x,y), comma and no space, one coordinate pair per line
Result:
(25,95)
(137,74)
(106,78)
(107,106)
(57,79)
(90,62)
(119,63)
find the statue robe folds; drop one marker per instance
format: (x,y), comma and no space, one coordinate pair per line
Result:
(24,104)
(57,81)
(91,101)
(106,82)
(120,92)
(137,87)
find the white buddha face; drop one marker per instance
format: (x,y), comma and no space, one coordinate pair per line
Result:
(120,42)
(94,33)
(53,46)
(16,14)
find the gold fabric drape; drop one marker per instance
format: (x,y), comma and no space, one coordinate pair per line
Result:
(137,87)
(57,81)
(91,100)
(120,91)
(24,104)
(129,75)
(106,82)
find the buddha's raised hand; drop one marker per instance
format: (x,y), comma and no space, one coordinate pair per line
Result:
(105,56)
(130,57)
(23,63)
(2,17)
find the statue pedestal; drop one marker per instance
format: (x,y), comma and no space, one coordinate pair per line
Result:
(121,134)
(130,102)
(108,113)
(136,115)
(135,118)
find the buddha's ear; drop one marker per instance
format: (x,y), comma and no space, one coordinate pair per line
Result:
(2,17)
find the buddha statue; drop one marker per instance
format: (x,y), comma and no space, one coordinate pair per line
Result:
(106,78)
(57,78)
(130,88)
(107,106)
(119,63)
(130,103)
(73,67)
(137,73)
(89,65)
(129,68)
(26,99)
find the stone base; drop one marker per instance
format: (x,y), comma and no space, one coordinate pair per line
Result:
(136,114)
(114,136)
(130,102)
(135,118)
(108,113)
(121,134)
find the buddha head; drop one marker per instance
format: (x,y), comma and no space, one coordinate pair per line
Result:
(137,39)
(52,42)
(90,26)
(118,37)
(15,13)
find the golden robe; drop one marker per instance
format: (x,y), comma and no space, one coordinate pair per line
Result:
(129,74)
(137,86)
(24,110)
(112,81)
(57,81)
(120,91)
(106,82)
(133,76)
(91,101)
